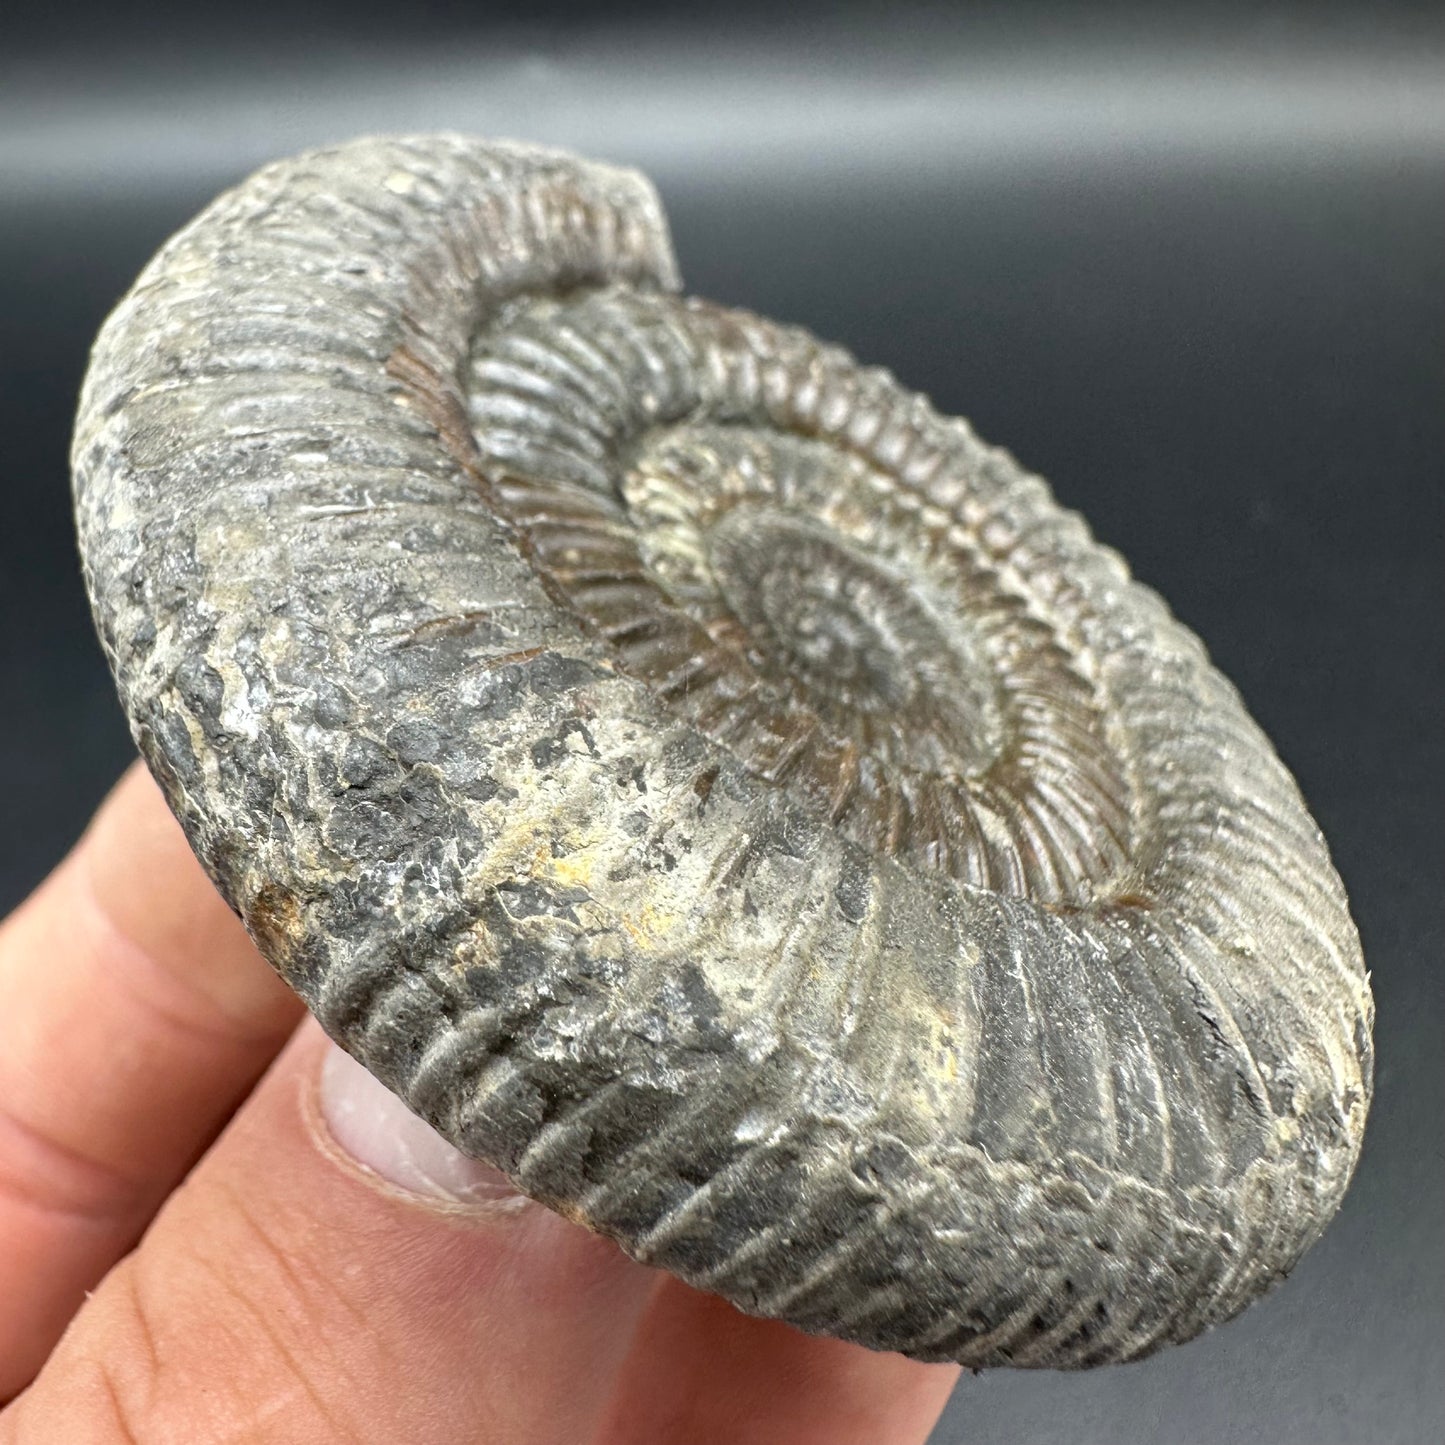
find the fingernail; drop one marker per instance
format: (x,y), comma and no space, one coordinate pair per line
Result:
(372,1125)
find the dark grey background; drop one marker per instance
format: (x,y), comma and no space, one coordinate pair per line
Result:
(1193,272)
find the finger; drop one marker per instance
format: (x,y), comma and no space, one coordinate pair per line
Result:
(135,1015)
(286,1293)
(702,1373)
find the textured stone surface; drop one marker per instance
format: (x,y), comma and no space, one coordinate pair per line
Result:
(704,781)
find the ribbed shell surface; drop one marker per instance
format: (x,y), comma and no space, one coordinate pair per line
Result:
(704,781)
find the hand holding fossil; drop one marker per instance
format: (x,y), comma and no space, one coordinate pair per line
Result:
(283,1291)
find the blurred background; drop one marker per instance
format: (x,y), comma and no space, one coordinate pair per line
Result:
(1188,265)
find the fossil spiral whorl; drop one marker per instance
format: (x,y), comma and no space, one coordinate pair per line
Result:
(706,782)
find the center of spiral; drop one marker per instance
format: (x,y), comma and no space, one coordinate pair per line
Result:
(817,609)
(823,616)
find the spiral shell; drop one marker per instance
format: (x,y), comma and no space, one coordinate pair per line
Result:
(704,781)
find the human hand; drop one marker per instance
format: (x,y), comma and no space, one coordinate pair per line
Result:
(215,1226)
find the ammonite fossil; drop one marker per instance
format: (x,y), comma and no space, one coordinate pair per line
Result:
(703,780)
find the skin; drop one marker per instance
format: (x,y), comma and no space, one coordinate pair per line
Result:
(187,1254)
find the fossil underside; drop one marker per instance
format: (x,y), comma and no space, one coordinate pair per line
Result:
(706,782)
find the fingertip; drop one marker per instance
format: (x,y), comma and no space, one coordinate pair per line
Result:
(379,1134)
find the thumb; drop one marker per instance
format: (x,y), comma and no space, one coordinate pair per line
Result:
(334,1271)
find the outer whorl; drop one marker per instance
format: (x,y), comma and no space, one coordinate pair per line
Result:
(706,782)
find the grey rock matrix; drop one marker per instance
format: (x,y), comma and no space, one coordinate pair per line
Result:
(704,781)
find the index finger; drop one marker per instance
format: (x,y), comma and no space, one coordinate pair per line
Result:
(136,1015)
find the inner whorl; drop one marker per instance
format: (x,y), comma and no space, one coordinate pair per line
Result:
(725,503)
